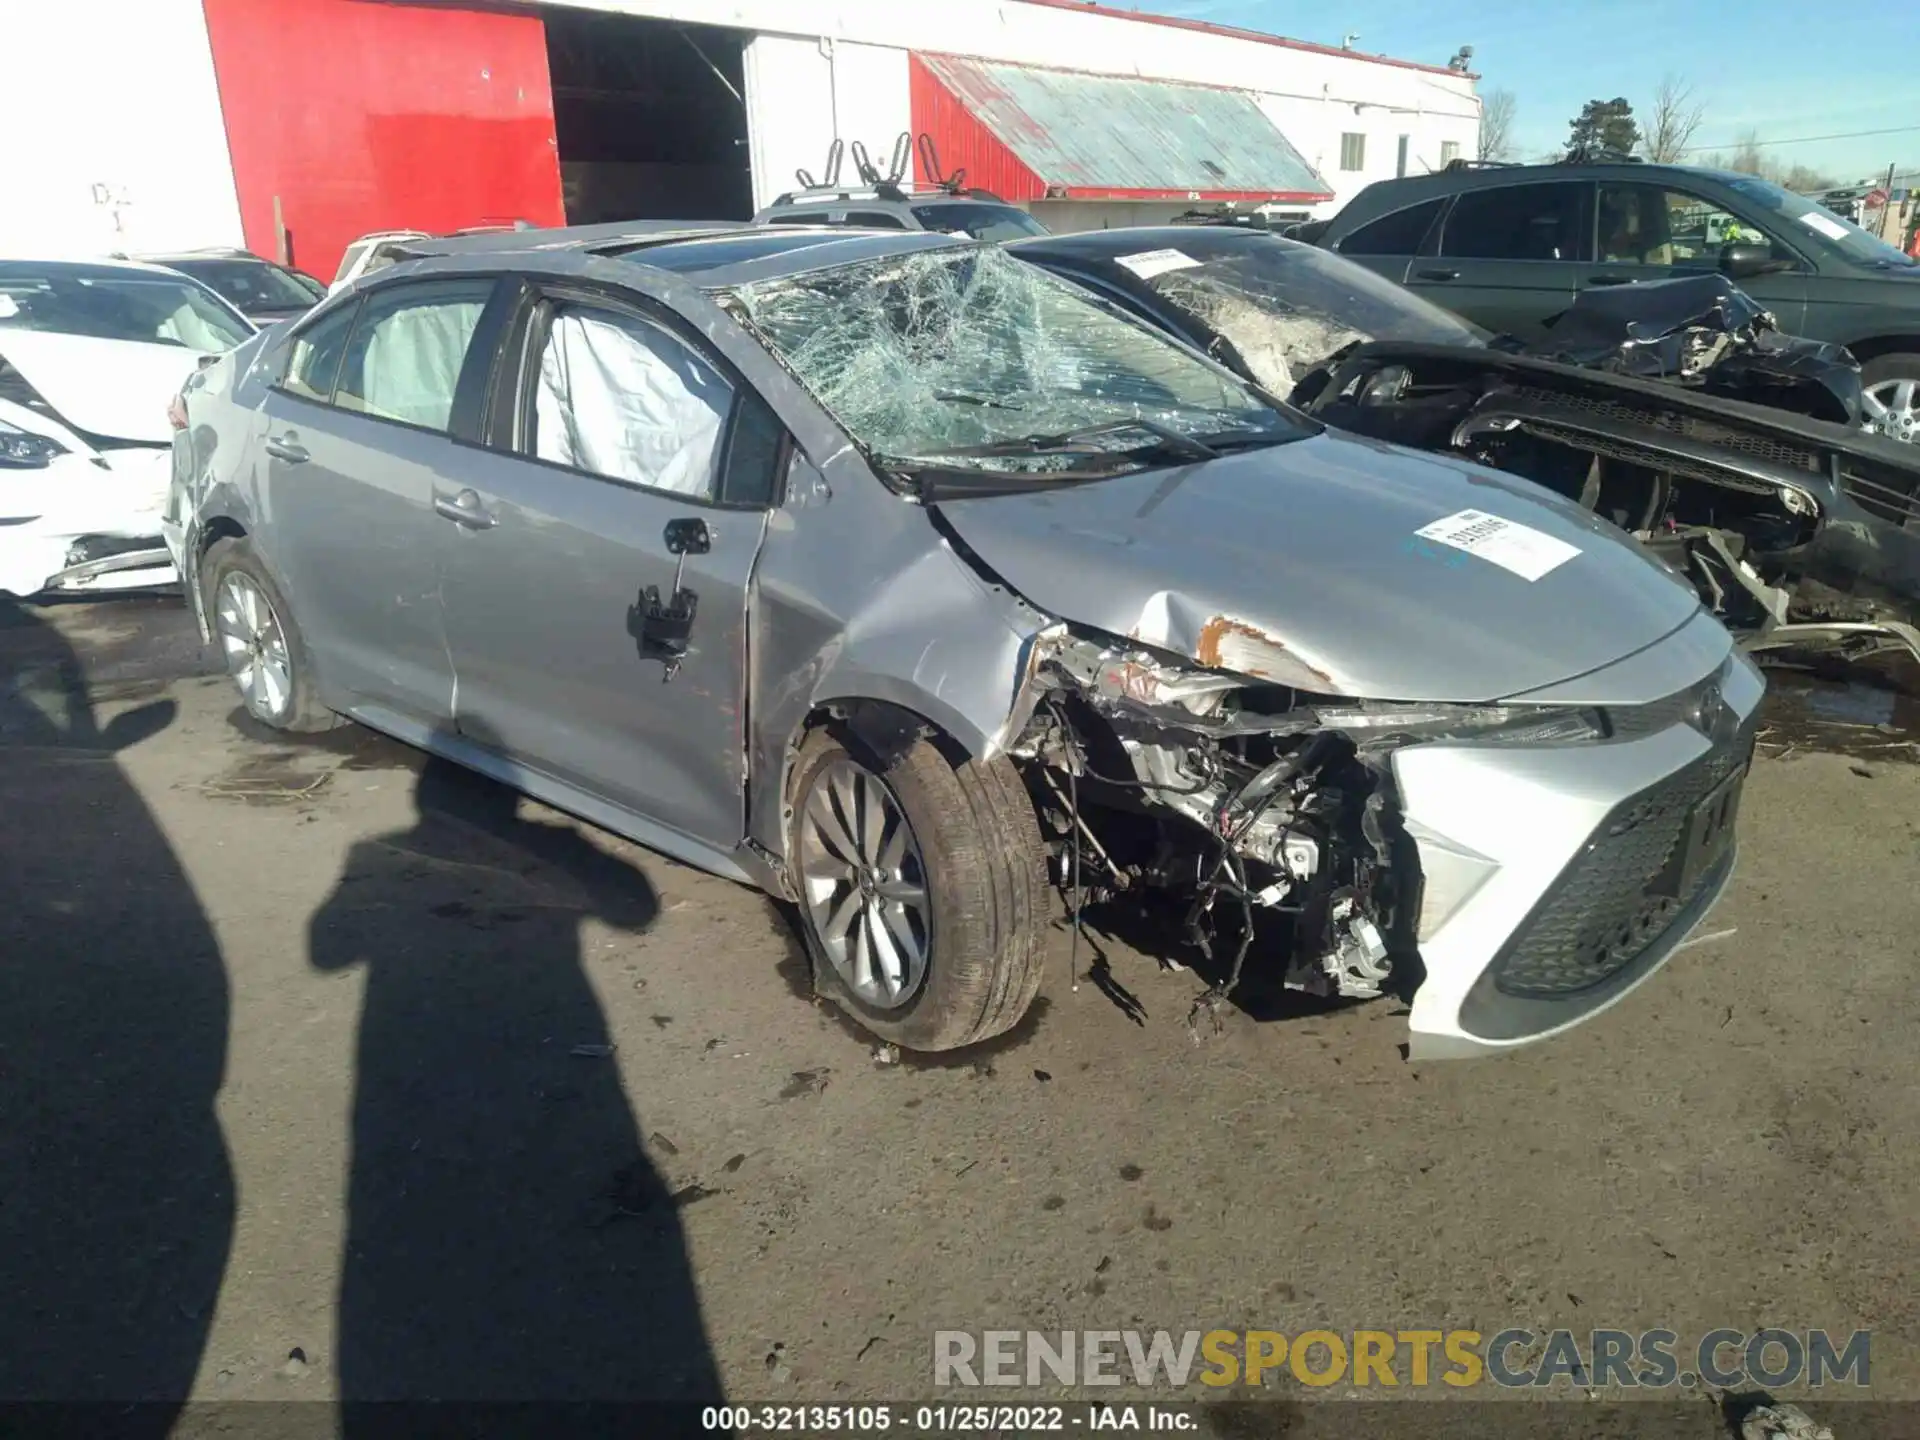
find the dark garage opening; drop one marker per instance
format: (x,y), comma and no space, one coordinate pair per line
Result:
(649,118)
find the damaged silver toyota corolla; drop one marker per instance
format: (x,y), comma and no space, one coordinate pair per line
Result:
(897,577)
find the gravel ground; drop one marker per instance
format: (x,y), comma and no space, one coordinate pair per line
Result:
(328,1071)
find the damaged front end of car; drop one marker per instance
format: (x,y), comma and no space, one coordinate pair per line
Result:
(1796,532)
(1253,804)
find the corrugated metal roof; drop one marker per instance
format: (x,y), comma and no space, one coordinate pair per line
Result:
(1124,136)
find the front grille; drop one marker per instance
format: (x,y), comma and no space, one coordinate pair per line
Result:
(1892,500)
(1607,906)
(1729,435)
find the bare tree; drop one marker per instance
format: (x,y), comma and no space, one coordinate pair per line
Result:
(1496,124)
(1746,156)
(1670,128)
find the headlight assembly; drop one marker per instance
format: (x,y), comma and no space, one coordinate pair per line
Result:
(1490,724)
(24,450)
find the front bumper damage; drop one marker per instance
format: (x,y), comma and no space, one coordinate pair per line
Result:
(88,522)
(1513,877)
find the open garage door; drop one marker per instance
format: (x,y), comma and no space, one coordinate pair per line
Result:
(345,117)
(649,117)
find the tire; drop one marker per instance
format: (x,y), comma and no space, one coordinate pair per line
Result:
(1888,371)
(981,866)
(280,693)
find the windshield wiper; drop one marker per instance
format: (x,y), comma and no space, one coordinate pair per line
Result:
(1082,442)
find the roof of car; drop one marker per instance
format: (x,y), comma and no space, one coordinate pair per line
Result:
(92,268)
(1385,196)
(715,254)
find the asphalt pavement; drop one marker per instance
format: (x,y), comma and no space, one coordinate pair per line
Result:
(332,1072)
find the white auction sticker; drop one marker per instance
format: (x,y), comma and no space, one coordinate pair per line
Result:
(1149,263)
(1825,224)
(1527,552)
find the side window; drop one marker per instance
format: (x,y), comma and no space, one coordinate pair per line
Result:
(1397,234)
(619,397)
(875,220)
(1648,225)
(317,350)
(1520,222)
(403,362)
(754,444)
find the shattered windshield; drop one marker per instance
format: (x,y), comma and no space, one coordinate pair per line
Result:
(1287,308)
(966,357)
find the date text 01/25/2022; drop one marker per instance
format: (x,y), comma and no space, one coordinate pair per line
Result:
(942,1419)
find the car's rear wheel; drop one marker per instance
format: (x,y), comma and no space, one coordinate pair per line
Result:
(922,890)
(258,640)
(1891,386)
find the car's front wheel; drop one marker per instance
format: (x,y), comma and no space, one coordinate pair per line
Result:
(1890,386)
(922,889)
(259,641)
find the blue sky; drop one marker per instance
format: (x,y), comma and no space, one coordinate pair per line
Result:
(1782,67)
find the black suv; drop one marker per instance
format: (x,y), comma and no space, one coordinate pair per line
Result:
(1509,246)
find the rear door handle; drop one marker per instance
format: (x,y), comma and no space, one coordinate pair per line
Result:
(1609,280)
(285,447)
(464,509)
(1436,274)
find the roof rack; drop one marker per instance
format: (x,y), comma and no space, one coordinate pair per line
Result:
(1462,163)
(893,185)
(1601,155)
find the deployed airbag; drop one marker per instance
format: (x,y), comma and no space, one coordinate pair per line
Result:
(623,399)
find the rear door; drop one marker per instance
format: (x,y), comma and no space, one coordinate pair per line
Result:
(1510,256)
(596,558)
(357,439)
(1658,232)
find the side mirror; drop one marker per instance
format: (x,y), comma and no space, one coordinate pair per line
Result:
(1743,262)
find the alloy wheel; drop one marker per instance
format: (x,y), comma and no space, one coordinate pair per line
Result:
(255,646)
(1890,409)
(865,885)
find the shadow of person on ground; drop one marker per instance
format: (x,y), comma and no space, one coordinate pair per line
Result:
(507,1239)
(116,1190)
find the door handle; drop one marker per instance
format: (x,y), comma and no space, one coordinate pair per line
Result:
(285,447)
(1436,274)
(1609,280)
(464,509)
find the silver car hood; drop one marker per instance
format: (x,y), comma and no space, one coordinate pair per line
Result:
(1300,564)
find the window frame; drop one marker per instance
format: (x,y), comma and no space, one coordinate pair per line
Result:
(1442,206)
(1586,223)
(505,426)
(468,386)
(1802,264)
(324,315)
(1359,139)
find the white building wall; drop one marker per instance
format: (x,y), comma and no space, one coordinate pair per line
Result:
(1312,96)
(116,140)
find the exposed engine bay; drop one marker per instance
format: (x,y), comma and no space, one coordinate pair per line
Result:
(1248,803)
(1796,532)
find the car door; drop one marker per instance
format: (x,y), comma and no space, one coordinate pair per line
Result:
(596,557)
(1509,256)
(356,440)
(1646,231)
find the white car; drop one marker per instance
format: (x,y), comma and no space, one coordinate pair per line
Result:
(91,355)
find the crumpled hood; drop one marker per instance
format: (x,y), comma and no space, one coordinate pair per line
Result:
(115,388)
(1301,564)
